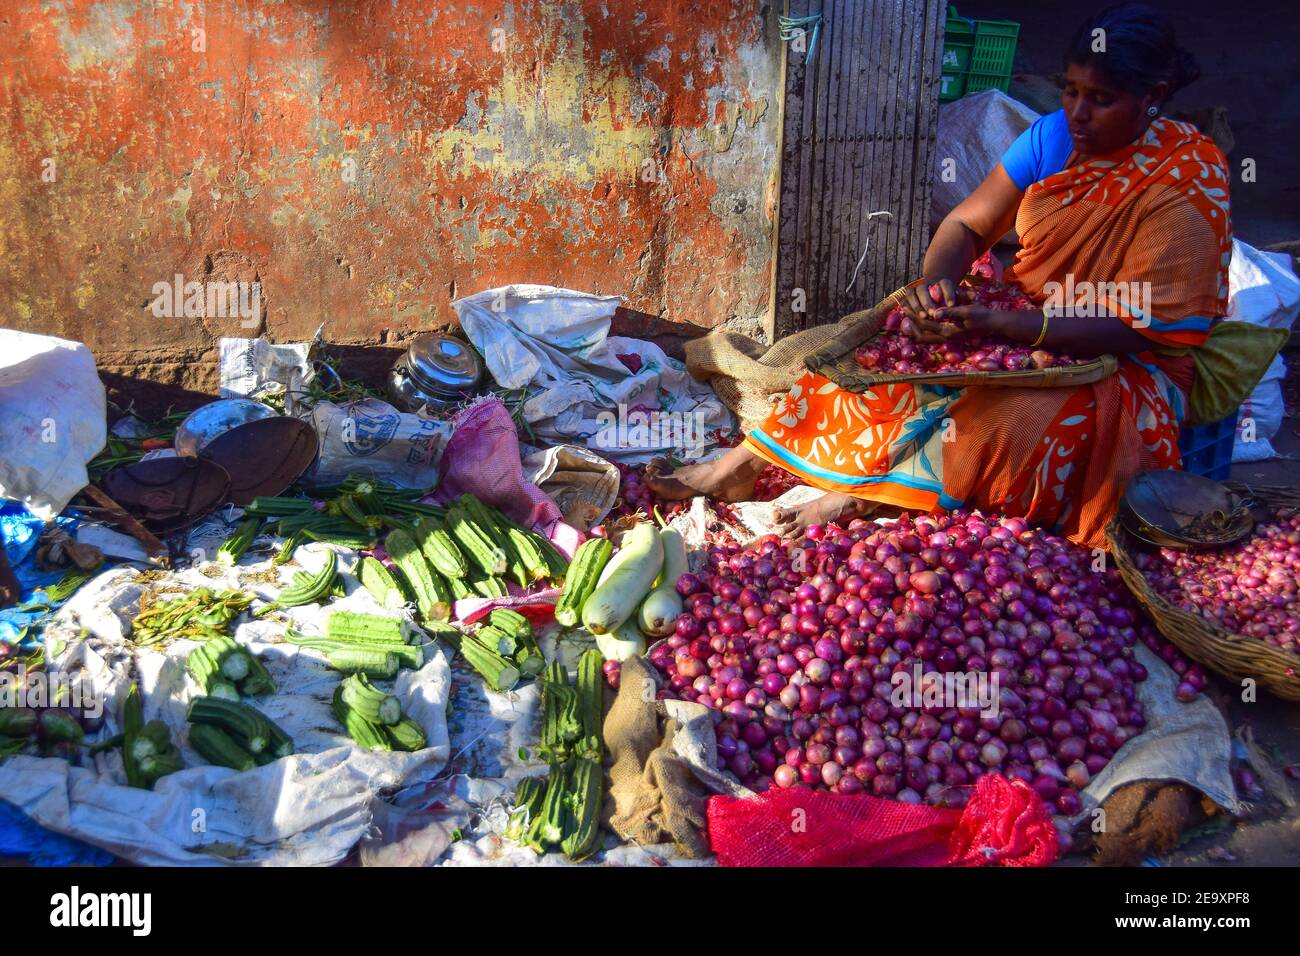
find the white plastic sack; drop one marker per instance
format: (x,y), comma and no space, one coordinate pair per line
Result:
(1262,290)
(1261,416)
(557,343)
(307,809)
(974,132)
(52,408)
(372,438)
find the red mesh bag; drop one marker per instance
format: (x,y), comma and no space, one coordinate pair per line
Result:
(1005,824)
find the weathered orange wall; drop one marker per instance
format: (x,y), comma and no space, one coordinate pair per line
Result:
(370,161)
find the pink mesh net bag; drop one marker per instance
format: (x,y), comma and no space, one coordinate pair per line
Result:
(1004,824)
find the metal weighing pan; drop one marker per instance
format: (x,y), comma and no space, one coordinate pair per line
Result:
(205,424)
(170,493)
(1174,509)
(264,457)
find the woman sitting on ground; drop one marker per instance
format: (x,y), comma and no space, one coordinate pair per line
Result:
(1103,191)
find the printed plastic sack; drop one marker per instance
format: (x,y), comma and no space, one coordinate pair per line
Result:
(370,437)
(974,132)
(535,334)
(583,484)
(53,408)
(250,368)
(623,398)
(1262,412)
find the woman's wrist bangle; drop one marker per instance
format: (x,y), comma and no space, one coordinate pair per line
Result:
(1042,335)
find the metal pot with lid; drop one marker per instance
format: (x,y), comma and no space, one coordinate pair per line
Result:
(438,371)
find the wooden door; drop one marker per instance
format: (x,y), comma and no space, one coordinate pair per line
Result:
(858,138)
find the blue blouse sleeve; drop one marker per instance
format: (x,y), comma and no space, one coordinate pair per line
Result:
(1040,151)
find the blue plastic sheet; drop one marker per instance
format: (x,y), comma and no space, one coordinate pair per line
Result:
(21,837)
(21,530)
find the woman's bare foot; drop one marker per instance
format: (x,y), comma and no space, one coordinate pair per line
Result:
(791,522)
(729,477)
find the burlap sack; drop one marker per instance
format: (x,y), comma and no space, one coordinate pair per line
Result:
(654,796)
(748,376)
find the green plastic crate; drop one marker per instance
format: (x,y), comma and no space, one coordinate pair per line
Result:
(987,81)
(995,47)
(982,51)
(952,86)
(956,55)
(958,41)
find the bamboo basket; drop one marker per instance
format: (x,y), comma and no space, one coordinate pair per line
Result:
(836,361)
(1231,655)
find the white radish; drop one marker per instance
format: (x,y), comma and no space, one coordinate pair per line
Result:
(663,605)
(620,592)
(621,644)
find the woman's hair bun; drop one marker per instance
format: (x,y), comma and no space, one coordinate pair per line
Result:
(1140,48)
(1186,70)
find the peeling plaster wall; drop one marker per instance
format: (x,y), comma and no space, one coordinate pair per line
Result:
(368,162)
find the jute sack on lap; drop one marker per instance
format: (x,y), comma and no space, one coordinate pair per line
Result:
(748,376)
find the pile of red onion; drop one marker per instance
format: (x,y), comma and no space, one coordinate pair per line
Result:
(772,483)
(900,354)
(893,350)
(635,495)
(798,665)
(1248,588)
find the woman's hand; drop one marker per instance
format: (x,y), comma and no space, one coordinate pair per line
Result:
(942,322)
(917,303)
(970,317)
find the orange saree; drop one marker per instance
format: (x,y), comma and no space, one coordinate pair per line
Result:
(1152,217)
